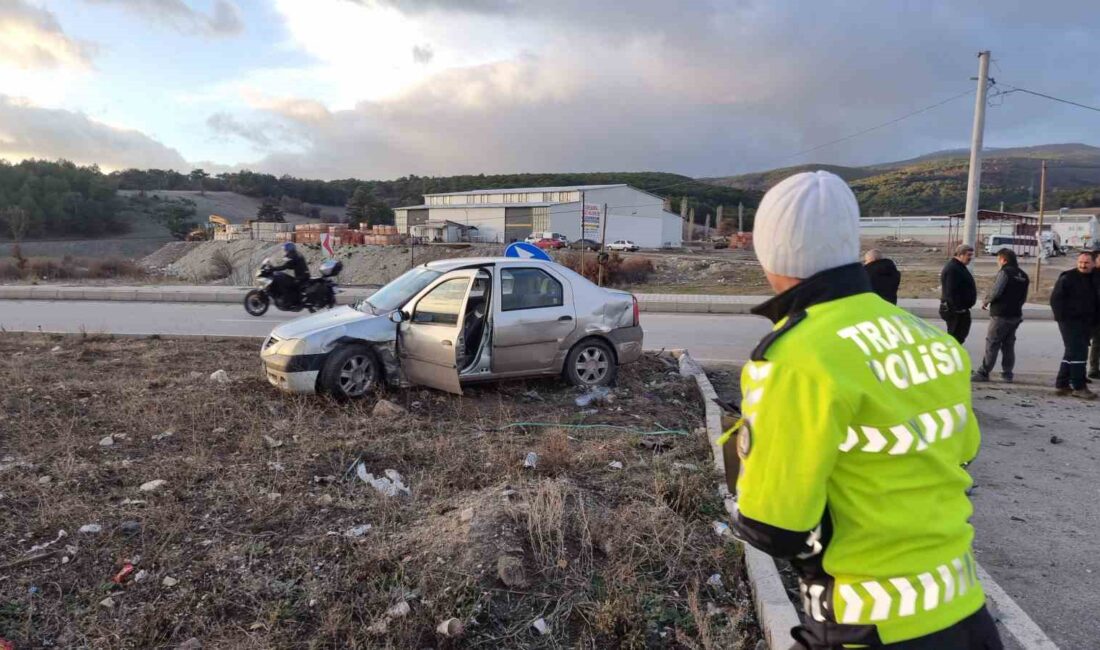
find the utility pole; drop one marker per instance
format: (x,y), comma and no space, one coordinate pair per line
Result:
(718,220)
(740,218)
(691,225)
(603,240)
(973,183)
(1039,234)
(581,270)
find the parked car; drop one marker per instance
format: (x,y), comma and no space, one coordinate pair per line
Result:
(535,237)
(550,243)
(622,245)
(452,322)
(585,244)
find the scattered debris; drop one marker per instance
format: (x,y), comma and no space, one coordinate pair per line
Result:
(218,430)
(153,486)
(106,441)
(169,581)
(531,461)
(531,396)
(379,627)
(272,443)
(400,610)
(45,480)
(715,581)
(595,395)
(655,443)
(721,528)
(61,534)
(391,485)
(1055,440)
(450,628)
(190,644)
(688,467)
(615,465)
(123,573)
(162,436)
(91,529)
(358,531)
(1015,518)
(324,500)
(387,409)
(511,572)
(220,377)
(466,515)
(55,349)
(141,576)
(540,626)
(129,528)
(107,602)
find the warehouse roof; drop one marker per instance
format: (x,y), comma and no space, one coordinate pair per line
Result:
(460,206)
(510,190)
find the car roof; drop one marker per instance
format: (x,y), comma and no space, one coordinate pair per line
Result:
(463,262)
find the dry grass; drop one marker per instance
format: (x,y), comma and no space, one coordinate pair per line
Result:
(254,530)
(69,268)
(221,265)
(618,271)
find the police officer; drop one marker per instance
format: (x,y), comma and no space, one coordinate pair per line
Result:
(857,423)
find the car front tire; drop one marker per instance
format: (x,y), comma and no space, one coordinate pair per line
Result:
(350,372)
(591,363)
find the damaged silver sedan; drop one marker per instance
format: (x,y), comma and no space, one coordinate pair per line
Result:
(452,322)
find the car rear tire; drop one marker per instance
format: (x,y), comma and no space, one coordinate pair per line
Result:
(591,363)
(256,303)
(350,372)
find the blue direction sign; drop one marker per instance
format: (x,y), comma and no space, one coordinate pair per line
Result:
(526,251)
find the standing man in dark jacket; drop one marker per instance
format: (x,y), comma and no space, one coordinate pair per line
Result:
(1005,302)
(958,293)
(1074,302)
(884,275)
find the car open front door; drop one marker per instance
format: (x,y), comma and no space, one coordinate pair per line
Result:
(428,340)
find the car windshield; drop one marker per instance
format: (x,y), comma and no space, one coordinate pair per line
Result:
(399,291)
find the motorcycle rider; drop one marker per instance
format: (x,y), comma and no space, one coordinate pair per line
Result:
(296,263)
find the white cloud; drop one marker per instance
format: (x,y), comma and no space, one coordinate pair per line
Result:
(224,20)
(31,38)
(29,131)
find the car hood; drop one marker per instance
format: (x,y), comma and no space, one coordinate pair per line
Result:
(302,327)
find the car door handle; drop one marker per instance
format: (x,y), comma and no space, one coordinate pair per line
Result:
(447,343)
(564,318)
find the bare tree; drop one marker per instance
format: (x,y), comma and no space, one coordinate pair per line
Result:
(19,221)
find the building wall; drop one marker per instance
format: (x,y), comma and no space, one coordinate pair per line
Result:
(488,220)
(631,214)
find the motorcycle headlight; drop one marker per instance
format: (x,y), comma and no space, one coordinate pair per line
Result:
(263,283)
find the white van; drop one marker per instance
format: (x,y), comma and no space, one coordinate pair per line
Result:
(1022,246)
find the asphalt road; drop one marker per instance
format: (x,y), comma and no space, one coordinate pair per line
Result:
(1037,510)
(711,338)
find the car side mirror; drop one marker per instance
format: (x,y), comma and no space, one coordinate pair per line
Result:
(398,316)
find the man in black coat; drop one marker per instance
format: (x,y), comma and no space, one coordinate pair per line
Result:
(1005,302)
(958,293)
(1094,343)
(1075,303)
(884,275)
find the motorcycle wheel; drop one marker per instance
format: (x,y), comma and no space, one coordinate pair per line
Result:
(256,302)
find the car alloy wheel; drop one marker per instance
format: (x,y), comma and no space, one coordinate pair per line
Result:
(592,364)
(356,376)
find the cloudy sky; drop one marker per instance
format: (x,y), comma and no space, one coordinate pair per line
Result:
(385,88)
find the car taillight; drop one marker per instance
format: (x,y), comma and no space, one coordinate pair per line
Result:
(636,311)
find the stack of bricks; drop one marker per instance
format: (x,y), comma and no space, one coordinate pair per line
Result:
(381,236)
(271,231)
(309,233)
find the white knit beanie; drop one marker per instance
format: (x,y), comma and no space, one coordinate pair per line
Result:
(806,224)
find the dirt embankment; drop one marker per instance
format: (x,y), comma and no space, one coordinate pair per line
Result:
(235,515)
(235,262)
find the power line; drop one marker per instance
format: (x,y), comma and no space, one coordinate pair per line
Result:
(876,127)
(1014,89)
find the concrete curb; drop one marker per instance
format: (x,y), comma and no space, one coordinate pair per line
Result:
(654,303)
(773,609)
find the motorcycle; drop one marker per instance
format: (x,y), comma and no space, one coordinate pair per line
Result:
(283,290)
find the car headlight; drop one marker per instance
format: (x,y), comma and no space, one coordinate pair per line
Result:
(293,347)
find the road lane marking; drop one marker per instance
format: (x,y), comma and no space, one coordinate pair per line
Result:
(1015,619)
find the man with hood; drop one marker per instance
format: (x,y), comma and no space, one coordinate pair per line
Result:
(1005,302)
(884,274)
(856,424)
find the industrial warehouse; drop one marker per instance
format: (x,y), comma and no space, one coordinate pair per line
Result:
(512,214)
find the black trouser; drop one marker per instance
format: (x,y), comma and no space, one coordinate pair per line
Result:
(975,632)
(1000,338)
(1094,350)
(958,324)
(1075,337)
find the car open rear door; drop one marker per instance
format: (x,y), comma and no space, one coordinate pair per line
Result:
(427,341)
